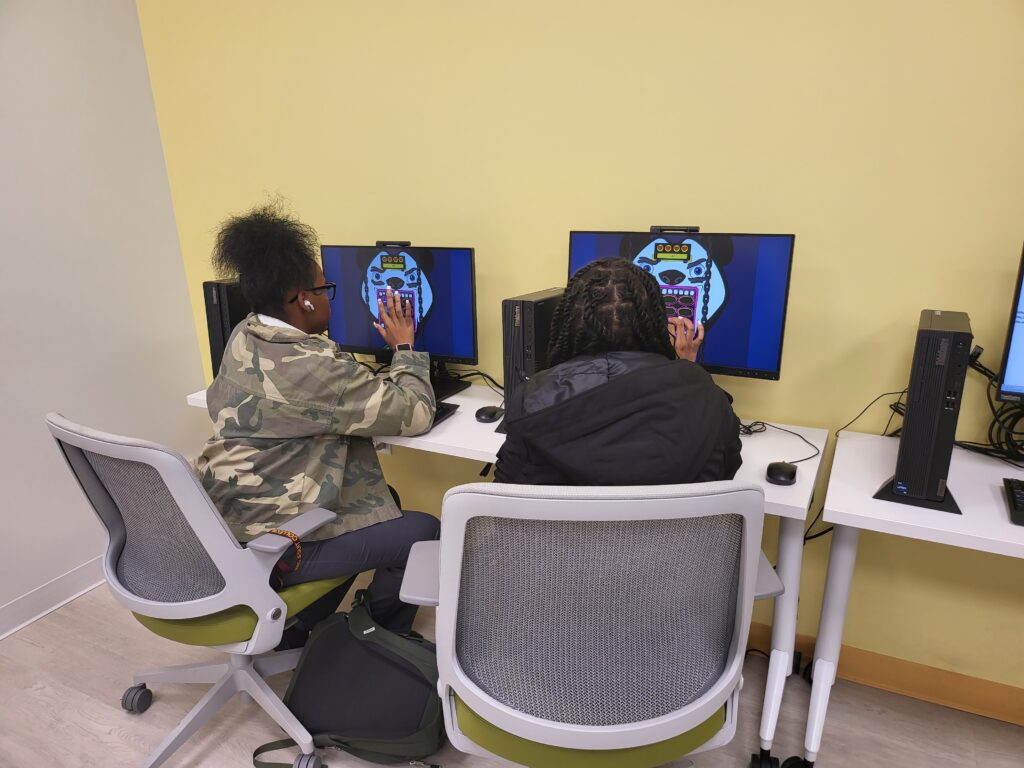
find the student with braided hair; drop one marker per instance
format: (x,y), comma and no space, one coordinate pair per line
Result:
(623,402)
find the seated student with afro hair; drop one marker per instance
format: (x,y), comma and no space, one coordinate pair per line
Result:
(623,402)
(293,417)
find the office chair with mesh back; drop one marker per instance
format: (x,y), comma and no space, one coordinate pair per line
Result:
(172,561)
(592,627)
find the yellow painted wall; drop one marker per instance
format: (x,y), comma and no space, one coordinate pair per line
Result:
(887,136)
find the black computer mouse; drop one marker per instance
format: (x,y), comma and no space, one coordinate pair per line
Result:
(781,473)
(489,413)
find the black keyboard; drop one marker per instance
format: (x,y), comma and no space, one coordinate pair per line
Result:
(444,410)
(1015,499)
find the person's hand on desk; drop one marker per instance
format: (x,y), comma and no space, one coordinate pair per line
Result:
(396,323)
(685,341)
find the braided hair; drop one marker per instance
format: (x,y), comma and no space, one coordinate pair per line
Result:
(610,305)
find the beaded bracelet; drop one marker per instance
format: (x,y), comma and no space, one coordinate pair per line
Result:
(295,541)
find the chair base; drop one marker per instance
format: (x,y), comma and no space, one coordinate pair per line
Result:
(239,674)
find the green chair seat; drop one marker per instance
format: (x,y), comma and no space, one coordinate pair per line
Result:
(535,755)
(235,625)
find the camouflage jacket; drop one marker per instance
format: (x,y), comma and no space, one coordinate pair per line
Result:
(292,420)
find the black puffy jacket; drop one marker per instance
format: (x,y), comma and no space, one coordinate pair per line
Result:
(622,418)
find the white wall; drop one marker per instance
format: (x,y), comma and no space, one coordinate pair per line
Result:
(95,320)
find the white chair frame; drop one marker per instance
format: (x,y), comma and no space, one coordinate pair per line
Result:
(246,572)
(465,502)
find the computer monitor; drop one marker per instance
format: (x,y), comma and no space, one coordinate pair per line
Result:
(735,284)
(438,283)
(1011,376)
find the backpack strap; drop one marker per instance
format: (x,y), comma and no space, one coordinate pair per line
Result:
(364,628)
(273,746)
(320,740)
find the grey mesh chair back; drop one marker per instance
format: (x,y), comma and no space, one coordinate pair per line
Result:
(593,622)
(155,552)
(172,561)
(567,614)
(169,553)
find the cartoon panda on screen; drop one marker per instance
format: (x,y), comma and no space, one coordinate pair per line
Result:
(403,273)
(691,279)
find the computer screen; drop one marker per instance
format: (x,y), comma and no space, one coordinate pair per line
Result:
(735,284)
(438,283)
(1011,377)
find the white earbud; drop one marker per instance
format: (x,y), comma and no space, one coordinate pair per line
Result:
(309,305)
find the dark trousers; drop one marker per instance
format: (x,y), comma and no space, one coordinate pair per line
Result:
(384,547)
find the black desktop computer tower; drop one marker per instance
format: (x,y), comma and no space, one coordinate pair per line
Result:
(225,308)
(937,373)
(526,330)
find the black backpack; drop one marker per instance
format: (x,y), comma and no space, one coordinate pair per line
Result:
(366,690)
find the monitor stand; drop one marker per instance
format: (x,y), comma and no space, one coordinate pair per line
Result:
(445,383)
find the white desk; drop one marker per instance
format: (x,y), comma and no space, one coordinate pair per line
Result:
(463,436)
(861,465)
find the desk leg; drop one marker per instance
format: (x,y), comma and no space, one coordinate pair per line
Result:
(780,664)
(841,560)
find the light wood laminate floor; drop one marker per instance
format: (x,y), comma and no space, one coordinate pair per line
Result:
(62,677)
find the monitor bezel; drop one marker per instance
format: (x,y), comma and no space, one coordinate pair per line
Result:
(1001,395)
(383,354)
(724,370)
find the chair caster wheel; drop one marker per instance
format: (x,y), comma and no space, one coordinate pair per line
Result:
(137,699)
(307,761)
(764,760)
(809,673)
(796,762)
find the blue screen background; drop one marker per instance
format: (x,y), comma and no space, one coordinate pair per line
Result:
(448,330)
(747,333)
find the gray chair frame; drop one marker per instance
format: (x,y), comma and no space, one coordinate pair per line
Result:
(445,558)
(245,570)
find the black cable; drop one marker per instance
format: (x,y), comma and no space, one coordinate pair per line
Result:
(975,363)
(899,409)
(895,408)
(375,371)
(1006,430)
(854,419)
(817,517)
(489,380)
(987,450)
(756,427)
(481,374)
(817,451)
(1006,434)
(818,534)
(496,390)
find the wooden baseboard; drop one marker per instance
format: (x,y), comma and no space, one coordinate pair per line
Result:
(918,681)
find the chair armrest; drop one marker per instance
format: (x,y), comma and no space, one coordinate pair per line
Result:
(303,525)
(768,582)
(421,584)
